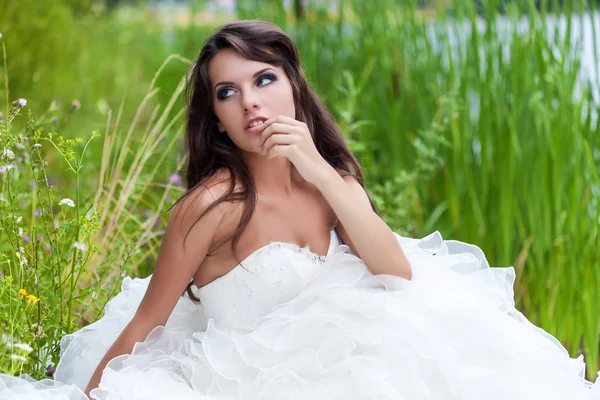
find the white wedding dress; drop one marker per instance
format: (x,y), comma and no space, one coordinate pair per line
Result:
(289,324)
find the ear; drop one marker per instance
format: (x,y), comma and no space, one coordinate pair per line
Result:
(220,126)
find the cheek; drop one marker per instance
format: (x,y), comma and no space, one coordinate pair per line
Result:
(224,112)
(286,103)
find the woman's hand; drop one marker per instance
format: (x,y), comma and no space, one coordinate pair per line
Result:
(287,137)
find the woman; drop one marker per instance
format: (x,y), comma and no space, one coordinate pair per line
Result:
(296,289)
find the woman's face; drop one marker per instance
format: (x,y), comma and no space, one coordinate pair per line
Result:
(244,90)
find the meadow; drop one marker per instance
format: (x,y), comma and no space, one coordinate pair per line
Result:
(489,135)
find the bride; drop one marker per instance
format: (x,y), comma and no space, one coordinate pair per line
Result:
(293,287)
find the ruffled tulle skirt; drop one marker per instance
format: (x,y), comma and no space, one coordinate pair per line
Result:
(451,332)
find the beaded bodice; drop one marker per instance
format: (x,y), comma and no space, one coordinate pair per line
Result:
(269,276)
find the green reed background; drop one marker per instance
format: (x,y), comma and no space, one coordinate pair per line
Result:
(452,137)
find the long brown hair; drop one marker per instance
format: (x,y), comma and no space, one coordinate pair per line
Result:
(209,152)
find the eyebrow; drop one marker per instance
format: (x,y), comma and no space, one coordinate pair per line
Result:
(253,75)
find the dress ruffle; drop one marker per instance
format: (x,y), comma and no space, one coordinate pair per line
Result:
(451,332)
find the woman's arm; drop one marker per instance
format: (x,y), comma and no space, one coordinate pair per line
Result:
(361,228)
(177,261)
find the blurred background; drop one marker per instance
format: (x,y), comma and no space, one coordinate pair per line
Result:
(475,118)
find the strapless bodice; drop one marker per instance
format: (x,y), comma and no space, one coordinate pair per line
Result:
(269,276)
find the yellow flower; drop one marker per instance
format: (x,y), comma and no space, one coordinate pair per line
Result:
(22,292)
(32,298)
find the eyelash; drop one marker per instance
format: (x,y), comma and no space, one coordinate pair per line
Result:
(220,92)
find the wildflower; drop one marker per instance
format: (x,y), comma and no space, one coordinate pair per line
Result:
(8,154)
(24,346)
(6,168)
(175,179)
(80,246)
(22,292)
(54,121)
(21,103)
(18,358)
(67,202)
(37,212)
(27,238)
(47,249)
(75,106)
(21,257)
(37,146)
(0,36)
(19,220)
(32,299)
(37,330)
(20,231)
(50,371)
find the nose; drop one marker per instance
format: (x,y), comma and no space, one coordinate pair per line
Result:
(250,101)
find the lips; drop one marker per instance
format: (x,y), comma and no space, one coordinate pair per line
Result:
(254,124)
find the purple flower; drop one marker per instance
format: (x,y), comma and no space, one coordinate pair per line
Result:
(50,371)
(47,249)
(26,238)
(37,212)
(41,238)
(175,179)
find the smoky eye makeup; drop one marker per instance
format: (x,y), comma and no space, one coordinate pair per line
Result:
(221,91)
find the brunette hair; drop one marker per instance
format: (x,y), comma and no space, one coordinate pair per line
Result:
(209,152)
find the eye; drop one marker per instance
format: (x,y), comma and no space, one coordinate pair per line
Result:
(222,93)
(268,77)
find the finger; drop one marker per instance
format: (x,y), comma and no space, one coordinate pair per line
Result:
(288,120)
(281,119)
(278,138)
(281,150)
(276,127)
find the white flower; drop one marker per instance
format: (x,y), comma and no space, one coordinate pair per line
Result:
(8,153)
(67,202)
(6,168)
(0,36)
(20,231)
(19,358)
(37,145)
(19,220)
(80,246)
(24,347)
(22,102)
